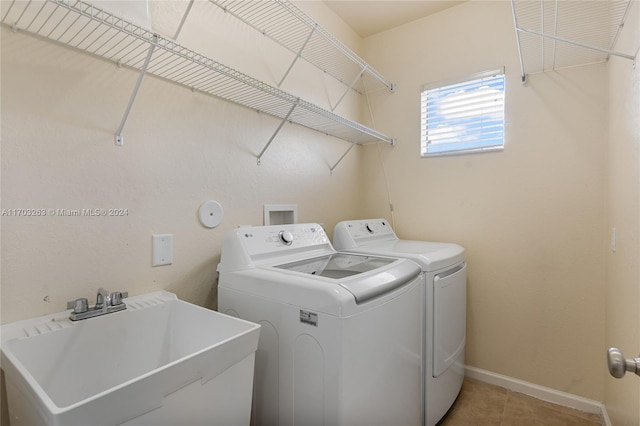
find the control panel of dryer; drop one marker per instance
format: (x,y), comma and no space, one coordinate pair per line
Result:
(353,233)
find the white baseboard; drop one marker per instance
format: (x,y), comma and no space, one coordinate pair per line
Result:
(539,392)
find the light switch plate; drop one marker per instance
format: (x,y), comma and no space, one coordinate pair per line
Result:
(614,240)
(162,250)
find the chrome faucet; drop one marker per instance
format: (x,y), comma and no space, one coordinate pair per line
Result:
(103,300)
(106,303)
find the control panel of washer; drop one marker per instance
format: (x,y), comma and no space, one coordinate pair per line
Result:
(279,238)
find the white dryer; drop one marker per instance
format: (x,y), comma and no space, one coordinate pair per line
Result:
(341,336)
(445,303)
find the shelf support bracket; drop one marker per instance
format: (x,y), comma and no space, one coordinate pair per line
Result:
(143,70)
(298,55)
(353,83)
(523,76)
(577,43)
(340,159)
(184,19)
(284,120)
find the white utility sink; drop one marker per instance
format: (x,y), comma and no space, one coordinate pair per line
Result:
(162,361)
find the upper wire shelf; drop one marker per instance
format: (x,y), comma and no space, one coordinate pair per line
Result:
(553,34)
(82,26)
(291,28)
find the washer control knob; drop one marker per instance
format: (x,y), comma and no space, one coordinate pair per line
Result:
(369,228)
(286,237)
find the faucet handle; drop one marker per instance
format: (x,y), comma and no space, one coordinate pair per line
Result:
(80,305)
(116,298)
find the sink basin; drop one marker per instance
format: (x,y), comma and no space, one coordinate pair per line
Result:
(160,361)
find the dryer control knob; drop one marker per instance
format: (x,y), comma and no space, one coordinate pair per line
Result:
(369,228)
(286,237)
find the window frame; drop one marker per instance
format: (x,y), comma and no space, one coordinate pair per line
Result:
(424,144)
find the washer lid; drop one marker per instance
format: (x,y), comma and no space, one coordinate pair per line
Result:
(365,277)
(430,256)
(337,266)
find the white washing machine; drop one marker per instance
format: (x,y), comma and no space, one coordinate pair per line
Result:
(445,276)
(341,336)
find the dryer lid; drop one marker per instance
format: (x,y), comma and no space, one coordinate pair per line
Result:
(431,256)
(376,237)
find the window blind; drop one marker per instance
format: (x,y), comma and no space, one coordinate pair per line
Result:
(465,116)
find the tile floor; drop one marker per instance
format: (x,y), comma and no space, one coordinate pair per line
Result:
(483,404)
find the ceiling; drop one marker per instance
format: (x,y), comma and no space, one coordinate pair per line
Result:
(368,17)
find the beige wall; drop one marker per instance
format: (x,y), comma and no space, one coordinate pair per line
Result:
(531,218)
(622,397)
(60,110)
(534,219)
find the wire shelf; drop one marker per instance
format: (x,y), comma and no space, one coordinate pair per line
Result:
(82,26)
(554,34)
(288,26)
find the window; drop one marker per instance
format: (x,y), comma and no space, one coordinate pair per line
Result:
(462,116)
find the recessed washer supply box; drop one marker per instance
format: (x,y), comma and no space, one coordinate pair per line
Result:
(162,361)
